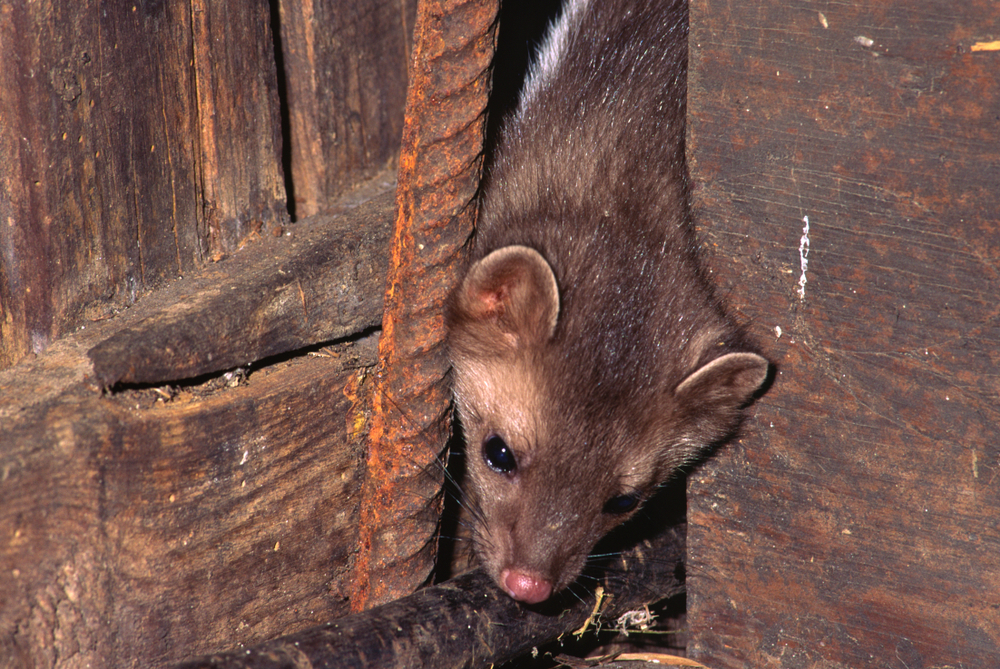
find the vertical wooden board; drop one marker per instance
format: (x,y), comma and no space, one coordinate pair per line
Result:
(856,523)
(345,65)
(240,123)
(144,140)
(125,162)
(98,197)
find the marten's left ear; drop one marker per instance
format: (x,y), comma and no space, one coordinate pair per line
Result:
(710,398)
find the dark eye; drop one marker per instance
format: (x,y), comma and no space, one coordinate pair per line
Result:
(498,455)
(620,504)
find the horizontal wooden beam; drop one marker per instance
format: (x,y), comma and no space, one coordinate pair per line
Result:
(323,280)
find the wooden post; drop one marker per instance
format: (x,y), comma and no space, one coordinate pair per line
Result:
(846,162)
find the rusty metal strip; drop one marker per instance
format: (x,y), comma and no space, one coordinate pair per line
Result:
(405,409)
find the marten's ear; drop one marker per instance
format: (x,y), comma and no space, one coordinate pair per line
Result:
(510,297)
(710,398)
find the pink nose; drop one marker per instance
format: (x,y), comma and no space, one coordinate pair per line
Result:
(524,587)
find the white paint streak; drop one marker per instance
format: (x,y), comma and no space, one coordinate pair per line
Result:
(804,257)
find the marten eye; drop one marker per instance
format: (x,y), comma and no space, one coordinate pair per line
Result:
(620,504)
(498,455)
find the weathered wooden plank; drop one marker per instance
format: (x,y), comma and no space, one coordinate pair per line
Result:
(345,76)
(321,281)
(239,133)
(141,525)
(856,523)
(91,193)
(136,531)
(123,162)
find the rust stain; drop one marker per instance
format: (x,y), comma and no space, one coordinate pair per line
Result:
(357,416)
(407,408)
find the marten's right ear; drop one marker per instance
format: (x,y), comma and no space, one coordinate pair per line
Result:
(510,297)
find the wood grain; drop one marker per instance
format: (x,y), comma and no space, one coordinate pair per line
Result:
(321,281)
(856,522)
(138,141)
(239,133)
(345,76)
(137,531)
(149,524)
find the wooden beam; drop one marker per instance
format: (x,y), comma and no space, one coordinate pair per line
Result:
(322,281)
(152,523)
(846,165)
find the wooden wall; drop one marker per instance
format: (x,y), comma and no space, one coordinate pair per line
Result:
(127,159)
(212,501)
(856,523)
(139,142)
(346,88)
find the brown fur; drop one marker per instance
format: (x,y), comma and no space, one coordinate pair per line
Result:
(629,368)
